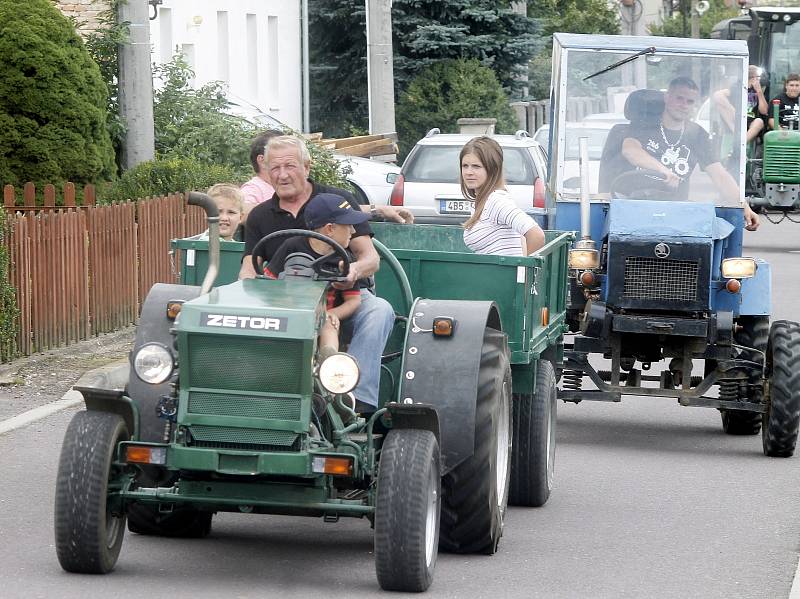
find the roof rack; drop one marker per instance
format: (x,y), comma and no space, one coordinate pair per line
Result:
(432,132)
(520,134)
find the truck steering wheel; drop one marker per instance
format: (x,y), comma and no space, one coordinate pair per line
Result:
(641,184)
(318,266)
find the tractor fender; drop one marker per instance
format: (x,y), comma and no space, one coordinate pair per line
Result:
(113,401)
(154,327)
(442,372)
(417,416)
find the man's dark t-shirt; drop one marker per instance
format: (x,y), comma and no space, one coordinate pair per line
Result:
(680,150)
(788,110)
(269,217)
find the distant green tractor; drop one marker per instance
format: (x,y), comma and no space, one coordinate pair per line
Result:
(228,407)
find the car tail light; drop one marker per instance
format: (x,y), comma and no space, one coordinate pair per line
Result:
(538,193)
(396,198)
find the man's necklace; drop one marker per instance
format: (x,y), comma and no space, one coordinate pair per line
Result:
(664,135)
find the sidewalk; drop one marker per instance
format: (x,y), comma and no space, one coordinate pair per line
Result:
(40,379)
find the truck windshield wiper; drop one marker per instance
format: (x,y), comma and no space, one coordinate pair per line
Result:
(650,50)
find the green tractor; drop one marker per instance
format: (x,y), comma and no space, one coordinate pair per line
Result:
(229,408)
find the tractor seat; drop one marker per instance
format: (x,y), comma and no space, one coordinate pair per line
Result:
(642,108)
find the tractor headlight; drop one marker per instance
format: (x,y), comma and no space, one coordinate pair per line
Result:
(339,373)
(738,268)
(153,363)
(583,259)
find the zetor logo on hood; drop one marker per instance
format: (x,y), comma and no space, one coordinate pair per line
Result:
(255,323)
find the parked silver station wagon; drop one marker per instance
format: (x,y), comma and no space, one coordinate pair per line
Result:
(428,182)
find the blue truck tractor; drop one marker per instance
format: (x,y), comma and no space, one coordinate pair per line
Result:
(662,302)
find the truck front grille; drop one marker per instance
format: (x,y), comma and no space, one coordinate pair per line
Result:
(781,164)
(248,439)
(248,406)
(660,279)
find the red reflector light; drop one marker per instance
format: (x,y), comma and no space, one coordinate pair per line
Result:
(538,193)
(396,199)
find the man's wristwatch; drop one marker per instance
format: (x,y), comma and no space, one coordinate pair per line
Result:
(373,212)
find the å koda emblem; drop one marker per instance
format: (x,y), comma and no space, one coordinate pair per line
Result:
(661,250)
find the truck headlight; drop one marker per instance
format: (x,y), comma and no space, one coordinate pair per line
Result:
(339,373)
(583,259)
(738,268)
(153,363)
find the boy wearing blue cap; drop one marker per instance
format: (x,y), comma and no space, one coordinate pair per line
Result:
(333,216)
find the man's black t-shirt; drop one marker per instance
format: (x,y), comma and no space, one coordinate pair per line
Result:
(788,110)
(269,217)
(680,150)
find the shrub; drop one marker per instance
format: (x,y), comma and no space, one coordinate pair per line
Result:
(447,91)
(8,306)
(168,175)
(52,100)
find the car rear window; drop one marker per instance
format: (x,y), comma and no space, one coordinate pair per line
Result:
(439,164)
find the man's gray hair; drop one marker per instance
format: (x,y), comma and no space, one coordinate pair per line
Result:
(288,141)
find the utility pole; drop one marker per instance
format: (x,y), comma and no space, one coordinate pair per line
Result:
(380,67)
(136,84)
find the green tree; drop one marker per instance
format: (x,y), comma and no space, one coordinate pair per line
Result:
(8,304)
(425,32)
(52,100)
(568,16)
(678,26)
(447,91)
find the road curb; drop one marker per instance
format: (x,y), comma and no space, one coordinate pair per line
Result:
(110,376)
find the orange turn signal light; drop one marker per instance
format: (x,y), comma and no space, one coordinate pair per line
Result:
(145,454)
(733,285)
(173,309)
(545,316)
(587,278)
(443,326)
(338,466)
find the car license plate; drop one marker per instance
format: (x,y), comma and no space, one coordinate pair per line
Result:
(455,207)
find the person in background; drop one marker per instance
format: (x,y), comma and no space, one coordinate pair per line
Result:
(258,189)
(789,104)
(228,199)
(757,106)
(497,226)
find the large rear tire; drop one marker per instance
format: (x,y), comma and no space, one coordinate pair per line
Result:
(407,510)
(88,529)
(475,493)
(753,332)
(533,458)
(782,418)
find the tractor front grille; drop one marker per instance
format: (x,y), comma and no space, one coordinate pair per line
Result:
(660,279)
(245,364)
(222,404)
(781,163)
(247,439)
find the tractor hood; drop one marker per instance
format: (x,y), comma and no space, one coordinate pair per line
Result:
(257,307)
(662,219)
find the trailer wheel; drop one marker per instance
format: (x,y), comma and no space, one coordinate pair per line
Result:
(88,529)
(782,418)
(407,510)
(754,332)
(533,459)
(475,493)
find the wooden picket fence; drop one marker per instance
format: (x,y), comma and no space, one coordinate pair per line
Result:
(83,270)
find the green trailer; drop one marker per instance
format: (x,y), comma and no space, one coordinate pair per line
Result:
(229,407)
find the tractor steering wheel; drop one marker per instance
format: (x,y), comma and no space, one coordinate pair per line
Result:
(641,184)
(318,266)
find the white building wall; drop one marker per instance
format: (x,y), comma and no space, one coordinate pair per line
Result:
(252,45)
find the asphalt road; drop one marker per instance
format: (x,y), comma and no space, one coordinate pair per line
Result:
(650,500)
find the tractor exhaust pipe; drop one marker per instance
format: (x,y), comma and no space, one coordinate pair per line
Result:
(585,242)
(212,215)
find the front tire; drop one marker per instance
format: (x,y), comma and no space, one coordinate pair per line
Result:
(782,418)
(533,458)
(475,493)
(88,529)
(407,510)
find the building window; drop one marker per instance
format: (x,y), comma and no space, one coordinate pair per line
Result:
(165,34)
(223,47)
(273,75)
(252,55)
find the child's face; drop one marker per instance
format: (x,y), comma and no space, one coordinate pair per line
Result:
(229,217)
(341,234)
